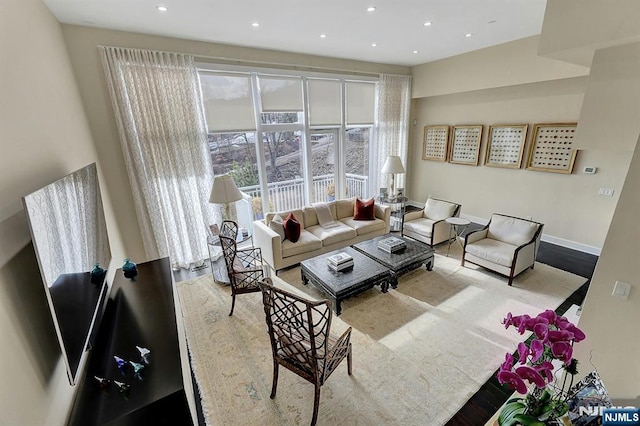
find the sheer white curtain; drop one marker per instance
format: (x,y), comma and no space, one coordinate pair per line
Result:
(155,97)
(392,128)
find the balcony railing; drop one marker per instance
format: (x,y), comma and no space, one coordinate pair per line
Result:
(289,194)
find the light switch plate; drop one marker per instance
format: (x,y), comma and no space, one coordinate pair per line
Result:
(621,290)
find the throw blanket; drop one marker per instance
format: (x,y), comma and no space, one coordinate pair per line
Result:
(325,219)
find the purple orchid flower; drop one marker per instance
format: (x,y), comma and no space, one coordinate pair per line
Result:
(531,375)
(549,315)
(513,380)
(520,321)
(508,362)
(546,368)
(563,351)
(523,352)
(578,335)
(559,336)
(508,320)
(536,349)
(541,330)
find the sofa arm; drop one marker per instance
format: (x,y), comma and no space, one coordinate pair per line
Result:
(269,242)
(417,214)
(383,213)
(474,236)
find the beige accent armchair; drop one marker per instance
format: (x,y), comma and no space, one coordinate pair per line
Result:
(428,225)
(507,245)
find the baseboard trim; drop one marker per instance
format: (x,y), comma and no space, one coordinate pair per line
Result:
(548,238)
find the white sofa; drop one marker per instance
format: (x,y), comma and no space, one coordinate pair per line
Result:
(314,239)
(507,245)
(428,225)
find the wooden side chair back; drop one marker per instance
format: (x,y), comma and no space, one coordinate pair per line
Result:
(244,268)
(301,341)
(229,229)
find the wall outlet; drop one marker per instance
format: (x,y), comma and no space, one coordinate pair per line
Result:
(621,290)
(590,170)
(607,192)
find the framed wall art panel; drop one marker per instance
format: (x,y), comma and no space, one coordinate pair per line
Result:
(505,145)
(465,144)
(435,145)
(552,148)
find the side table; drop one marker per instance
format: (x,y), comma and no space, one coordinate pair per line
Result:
(398,206)
(458,226)
(218,266)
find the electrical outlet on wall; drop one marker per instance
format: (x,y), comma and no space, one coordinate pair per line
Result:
(607,192)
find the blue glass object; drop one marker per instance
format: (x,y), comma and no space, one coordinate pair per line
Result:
(137,369)
(144,354)
(97,274)
(130,269)
(122,364)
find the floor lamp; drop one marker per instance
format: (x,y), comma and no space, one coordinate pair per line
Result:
(392,166)
(225,191)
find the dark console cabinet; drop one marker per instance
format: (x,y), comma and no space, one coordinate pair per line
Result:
(140,312)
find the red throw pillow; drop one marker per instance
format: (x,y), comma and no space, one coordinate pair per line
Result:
(363,210)
(291,228)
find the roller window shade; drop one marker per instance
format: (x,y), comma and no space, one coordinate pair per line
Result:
(228,102)
(281,94)
(360,102)
(324,102)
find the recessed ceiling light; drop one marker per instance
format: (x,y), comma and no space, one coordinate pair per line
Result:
(162,8)
(374,44)
(255,24)
(415,51)
(468,35)
(323,36)
(427,24)
(371,8)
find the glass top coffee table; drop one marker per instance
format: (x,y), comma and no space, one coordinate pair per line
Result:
(411,257)
(337,286)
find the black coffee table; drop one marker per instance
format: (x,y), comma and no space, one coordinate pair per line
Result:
(411,257)
(337,286)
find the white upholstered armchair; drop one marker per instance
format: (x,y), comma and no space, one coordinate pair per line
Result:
(428,225)
(507,245)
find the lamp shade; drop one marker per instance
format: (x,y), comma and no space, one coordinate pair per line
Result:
(393,165)
(224,190)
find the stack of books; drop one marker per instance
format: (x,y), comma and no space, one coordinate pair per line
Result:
(340,261)
(391,244)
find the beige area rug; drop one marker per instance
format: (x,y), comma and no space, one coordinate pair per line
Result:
(419,351)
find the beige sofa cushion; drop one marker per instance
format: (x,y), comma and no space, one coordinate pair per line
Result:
(333,235)
(511,230)
(438,209)
(493,250)
(422,226)
(344,208)
(307,242)
(363,226)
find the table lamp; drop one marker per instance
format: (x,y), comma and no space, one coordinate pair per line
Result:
(225,191)
(392,166)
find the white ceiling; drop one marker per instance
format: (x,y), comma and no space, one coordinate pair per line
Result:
(397,26)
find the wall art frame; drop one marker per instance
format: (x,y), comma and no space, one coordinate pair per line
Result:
(465,144)
(435,144)
(551,148)
(505,145)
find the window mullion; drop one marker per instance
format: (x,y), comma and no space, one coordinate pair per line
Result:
(306,140)
(262,166)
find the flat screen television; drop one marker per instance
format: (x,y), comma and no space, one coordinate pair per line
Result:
(69,234)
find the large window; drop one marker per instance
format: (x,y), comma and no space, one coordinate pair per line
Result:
(290,140)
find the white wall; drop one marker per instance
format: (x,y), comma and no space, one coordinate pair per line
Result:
(44,135)
(566,204)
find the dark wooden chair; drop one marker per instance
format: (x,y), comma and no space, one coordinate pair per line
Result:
(244,268)
(229,229)
(301,341)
